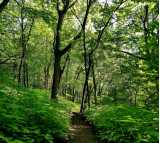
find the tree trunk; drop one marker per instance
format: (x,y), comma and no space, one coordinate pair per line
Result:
(57,56)
(46,75)
(19,71)
(22,65)
(57,42)
(27,76)
(86,86)
(94,83)
(135,99)
(3,4)
(86,72)
(24,73)
(145,27)
(56,77)
(83,96)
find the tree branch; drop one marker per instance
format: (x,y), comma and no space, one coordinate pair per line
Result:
(66,60)
(73,12)
(3,61)
(69,46)
(72,4)
(3,5)
(30,29)
(105,25)
(133,55)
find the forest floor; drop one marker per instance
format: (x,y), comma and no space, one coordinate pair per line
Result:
(80,131)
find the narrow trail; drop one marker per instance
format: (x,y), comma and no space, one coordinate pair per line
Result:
(80,131)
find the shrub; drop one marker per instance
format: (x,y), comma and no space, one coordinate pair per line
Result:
(124,124)
(27,115)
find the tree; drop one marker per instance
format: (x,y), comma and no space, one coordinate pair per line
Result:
(57,42)
(3,5)
(23,67)
(88,58)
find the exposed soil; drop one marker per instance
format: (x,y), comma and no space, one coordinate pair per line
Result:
(80,131)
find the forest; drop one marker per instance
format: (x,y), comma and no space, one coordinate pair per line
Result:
(79,71)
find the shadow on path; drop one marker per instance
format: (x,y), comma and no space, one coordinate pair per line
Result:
(80,131)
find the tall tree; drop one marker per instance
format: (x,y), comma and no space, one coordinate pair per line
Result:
(23,66)
(88,57)
(58,53)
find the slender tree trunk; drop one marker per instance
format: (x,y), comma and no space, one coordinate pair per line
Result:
(46,75)
(27,76)
(86,72)
(83,96)
(94,83)
(23,49)
(45,78)
(19,71)
(145,27)
(88,89)
(99,93)
(24,73)
(77,73)
(86,86)
(67,70)
(88,95)
(135,99)
(14,69)
(85,91)
(22,66)
(88,67)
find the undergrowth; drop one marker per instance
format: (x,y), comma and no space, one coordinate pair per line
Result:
(29,116)
(124,124)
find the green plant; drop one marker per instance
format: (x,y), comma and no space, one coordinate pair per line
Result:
(27,115)
(123,123)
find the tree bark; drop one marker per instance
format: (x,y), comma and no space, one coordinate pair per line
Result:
(86,93)
(27,76)
(94,83)
(57,56)
(145,27)
(3,5)
(46,75)
(86,72)
(56,77)
(22,60)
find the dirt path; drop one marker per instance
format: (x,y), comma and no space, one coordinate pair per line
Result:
(80,131)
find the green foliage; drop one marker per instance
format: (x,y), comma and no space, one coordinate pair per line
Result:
(125,69)
(27,115)
(124,124)
(47,16)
